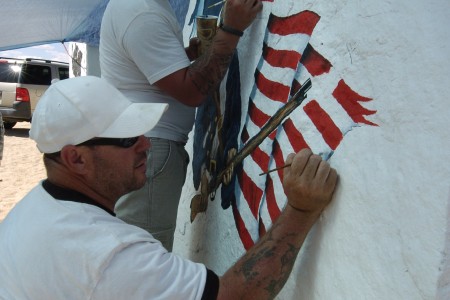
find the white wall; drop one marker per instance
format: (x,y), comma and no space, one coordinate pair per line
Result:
(383,237)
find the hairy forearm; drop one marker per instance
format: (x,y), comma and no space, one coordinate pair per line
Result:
(265,268)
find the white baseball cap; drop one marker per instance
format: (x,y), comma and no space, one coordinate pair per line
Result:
(78,109)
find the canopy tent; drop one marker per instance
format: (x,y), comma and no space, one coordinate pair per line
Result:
(25,23)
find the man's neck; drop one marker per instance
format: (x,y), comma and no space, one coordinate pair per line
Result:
(66,194)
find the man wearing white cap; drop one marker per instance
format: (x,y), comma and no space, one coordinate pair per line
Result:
(62,240)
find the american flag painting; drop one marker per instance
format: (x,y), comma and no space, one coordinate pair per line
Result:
(331,109)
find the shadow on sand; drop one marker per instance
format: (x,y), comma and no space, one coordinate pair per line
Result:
(17,132)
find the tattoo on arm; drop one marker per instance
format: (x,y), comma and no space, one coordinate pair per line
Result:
(209,69)
(276,253)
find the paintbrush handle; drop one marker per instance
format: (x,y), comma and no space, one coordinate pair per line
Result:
(276,169)
(216,4)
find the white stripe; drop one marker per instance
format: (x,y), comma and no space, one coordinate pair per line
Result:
(288,9)
(277,74)
(337,113)
(280,196)
(293,42)
(253,170)
(266,105)
(312,136)
(246,215)
(285,144)
(302,74)
(265,216)
(286,148)
(324,84)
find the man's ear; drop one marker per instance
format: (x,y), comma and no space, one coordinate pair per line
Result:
(74,158)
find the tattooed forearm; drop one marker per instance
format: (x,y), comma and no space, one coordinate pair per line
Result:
(266,267)
(209,69)
(274,250)
(249,269)
(287,262)
(288,258)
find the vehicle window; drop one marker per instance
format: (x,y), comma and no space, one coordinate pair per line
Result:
(35,74)
(63,73)
(9,72)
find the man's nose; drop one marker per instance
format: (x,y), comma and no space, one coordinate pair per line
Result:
(143,143)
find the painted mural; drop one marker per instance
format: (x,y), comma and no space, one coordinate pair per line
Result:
(233,147)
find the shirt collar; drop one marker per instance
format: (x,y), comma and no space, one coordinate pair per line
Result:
(64,194)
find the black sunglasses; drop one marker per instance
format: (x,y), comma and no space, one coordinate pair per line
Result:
(119,142)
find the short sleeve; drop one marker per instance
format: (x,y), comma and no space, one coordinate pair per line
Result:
(211,289)
(157,53)
(145,270)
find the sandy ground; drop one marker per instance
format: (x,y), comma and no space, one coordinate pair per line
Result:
(21,168)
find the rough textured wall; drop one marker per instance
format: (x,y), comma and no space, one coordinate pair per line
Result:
(384,235)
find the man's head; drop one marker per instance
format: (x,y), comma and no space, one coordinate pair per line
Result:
(91,136)
(75,110)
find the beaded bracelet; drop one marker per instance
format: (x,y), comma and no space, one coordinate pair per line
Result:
(230,30)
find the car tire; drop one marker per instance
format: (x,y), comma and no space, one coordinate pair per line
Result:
(9,125)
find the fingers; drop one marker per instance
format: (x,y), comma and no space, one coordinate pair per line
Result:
(332,179)
(239,14)
(327,177)
(311,167)
(289,158)
(299,161)
(310,170)
(309,182)
(323,171)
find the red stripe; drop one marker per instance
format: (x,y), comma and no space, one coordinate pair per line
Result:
(349,100)
(252,193)
(295,87)
(245,236)
(256,115)
(281,58)
(271,89)
(278,157)
(295,136)
(261,158)
(272,206)
(314,62)
(244,135)
(330,132)
(272,135)
(303,22)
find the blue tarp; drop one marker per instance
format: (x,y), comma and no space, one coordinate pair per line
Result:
(25,23)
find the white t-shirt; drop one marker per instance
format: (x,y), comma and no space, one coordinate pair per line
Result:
(54,249)
(141,42)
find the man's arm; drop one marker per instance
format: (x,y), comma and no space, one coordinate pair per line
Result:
(309,185)
(191,85)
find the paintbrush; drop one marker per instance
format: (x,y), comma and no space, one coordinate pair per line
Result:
(216,4)
(276,169)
